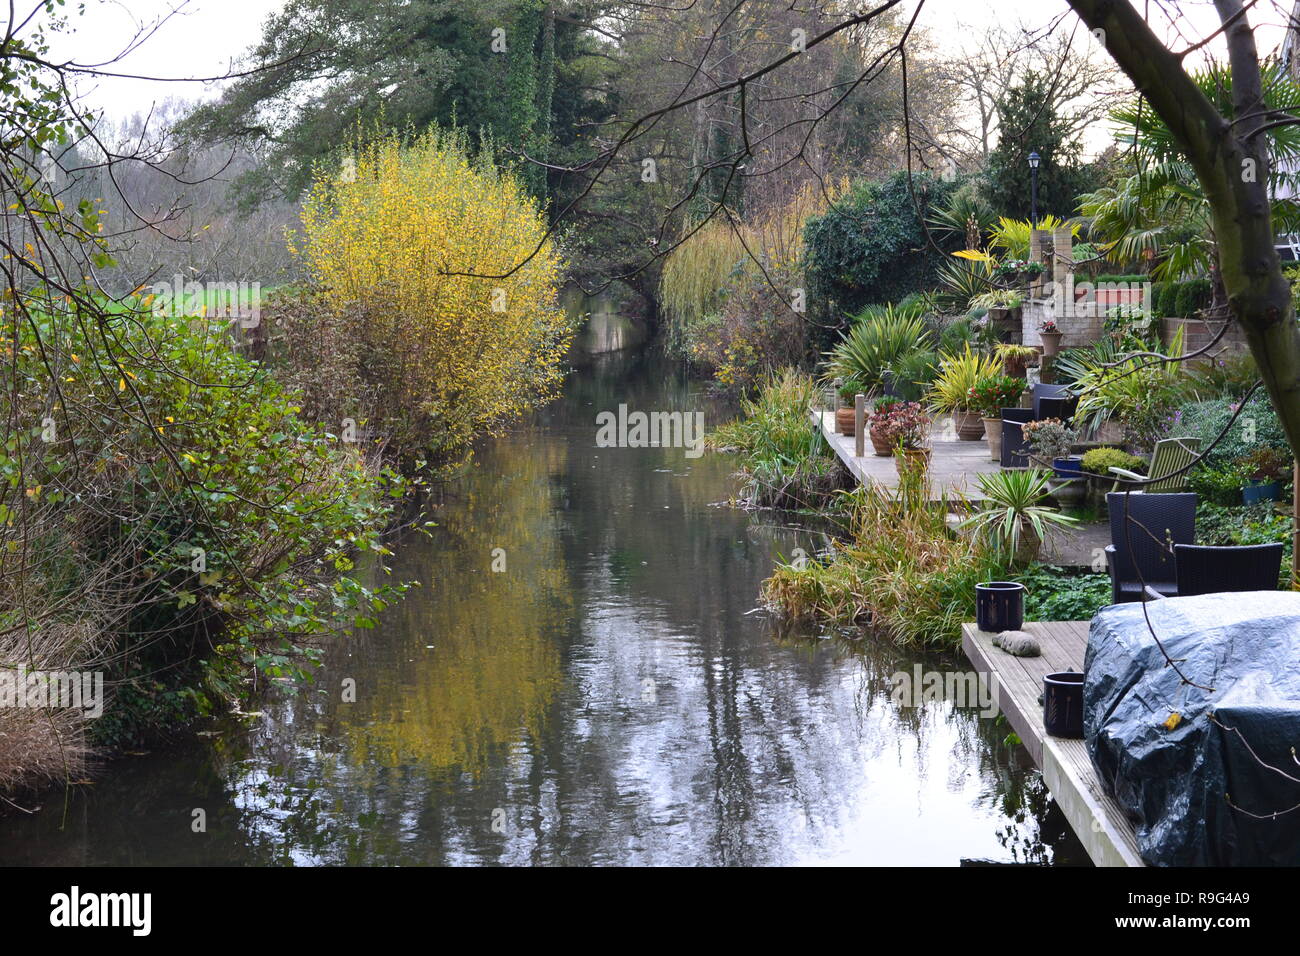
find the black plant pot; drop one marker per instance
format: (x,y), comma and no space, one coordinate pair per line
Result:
(999,606)
(1063,704)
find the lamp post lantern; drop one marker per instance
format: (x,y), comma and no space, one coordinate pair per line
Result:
(1034,160)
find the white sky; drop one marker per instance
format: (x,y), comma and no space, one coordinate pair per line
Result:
(207,36)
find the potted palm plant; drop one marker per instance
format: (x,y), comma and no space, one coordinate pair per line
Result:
(1013,519)
(988,396)
(951,389)
(1015,358)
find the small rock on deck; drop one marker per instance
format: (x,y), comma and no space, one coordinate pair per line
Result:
(1100,824)
(953,464)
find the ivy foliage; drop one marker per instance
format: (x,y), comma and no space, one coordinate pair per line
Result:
(871,246)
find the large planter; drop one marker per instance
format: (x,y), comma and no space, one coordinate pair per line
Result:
(969,425)
(913,458)
(1051,342)
(993,432)
(879,445)
(845,419)
(1257,491)
(1068,493)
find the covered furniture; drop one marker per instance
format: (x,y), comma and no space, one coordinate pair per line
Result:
(1047,401)
(1206,570)
(1144,529)
(1169,456)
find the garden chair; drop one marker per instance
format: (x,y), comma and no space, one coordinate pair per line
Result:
(1206,570)
(1169,456)
(1048,401)
(1144,530)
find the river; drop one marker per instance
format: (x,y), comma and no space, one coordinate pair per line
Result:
(582,678)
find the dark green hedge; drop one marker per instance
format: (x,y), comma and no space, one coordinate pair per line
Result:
(1181,300)
(871,248)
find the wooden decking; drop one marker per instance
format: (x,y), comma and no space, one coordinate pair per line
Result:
(1018,682)
(953,463)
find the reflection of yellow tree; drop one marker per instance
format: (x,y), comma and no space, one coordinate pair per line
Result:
(494,667)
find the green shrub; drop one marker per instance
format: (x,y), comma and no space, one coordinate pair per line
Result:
(787,463)
(1226,526)
(1257,425)
(1162,299)
(871,245)
(1099,461)
(1193,295)
(172,449)
(1219,484)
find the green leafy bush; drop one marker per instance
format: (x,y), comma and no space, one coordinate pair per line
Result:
(787,463)
(1227,526)
(193,528)
(1218,483)
(1099,461)
(871,245)
(1257,425)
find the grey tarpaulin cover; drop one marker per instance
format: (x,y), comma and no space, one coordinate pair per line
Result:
(1176,776)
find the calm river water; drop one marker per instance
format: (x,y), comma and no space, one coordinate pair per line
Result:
(608,698)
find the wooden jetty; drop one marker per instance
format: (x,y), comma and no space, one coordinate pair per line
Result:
(953,463)
(1101,825)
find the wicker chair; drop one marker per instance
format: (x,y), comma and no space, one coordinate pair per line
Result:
(1143,531)
(1204,570)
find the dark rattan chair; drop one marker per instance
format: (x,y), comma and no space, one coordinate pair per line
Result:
(1144,529)
(1204,570)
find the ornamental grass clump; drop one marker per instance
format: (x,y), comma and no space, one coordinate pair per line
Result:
(900,572)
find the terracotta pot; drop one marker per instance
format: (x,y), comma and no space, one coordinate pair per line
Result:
(1051,342)
(993,432)
(912,457)
(970,427)
(879,445)
(844,421)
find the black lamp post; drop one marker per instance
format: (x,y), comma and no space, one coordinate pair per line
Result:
(1034,160)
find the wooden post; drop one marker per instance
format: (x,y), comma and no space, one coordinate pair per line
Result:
(859,425)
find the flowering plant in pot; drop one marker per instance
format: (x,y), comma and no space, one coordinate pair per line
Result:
(1017,270)
(903,426)
(988,396)
(1050,336)
(1263,469)
(879,429)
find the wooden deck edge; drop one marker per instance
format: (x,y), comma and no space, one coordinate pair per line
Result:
(1095,818)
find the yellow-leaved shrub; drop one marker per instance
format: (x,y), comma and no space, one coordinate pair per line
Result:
(428,339)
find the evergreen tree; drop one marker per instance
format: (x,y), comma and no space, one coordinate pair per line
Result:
(1030,121)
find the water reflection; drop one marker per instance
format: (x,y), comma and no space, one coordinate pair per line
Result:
(607,698)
